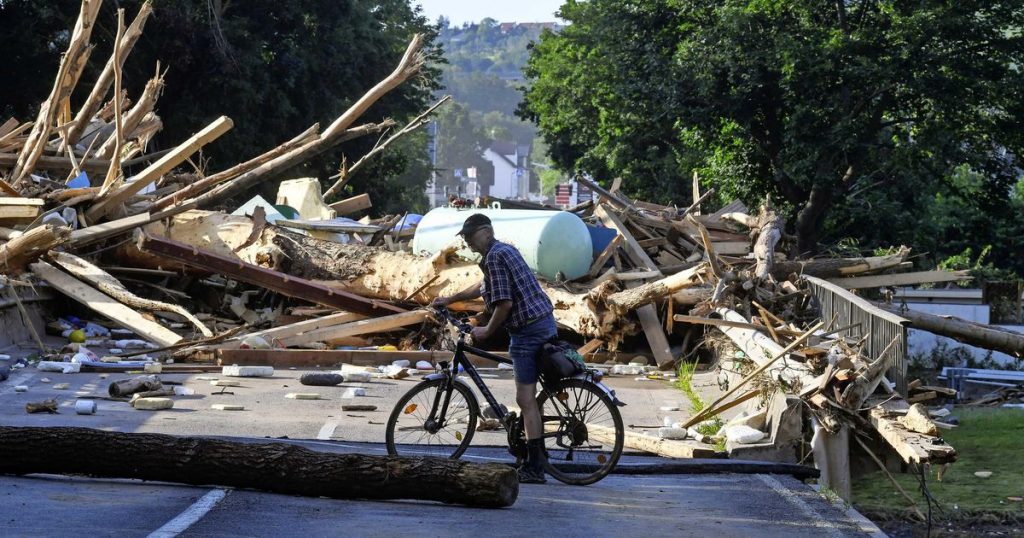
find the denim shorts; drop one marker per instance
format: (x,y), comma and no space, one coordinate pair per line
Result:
(525,346)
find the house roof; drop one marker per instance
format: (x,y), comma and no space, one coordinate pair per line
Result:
(503,147)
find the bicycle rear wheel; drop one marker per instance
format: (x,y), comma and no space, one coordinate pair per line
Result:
(412,432)
(583,431)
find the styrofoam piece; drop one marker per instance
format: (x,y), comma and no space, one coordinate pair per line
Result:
(183,391)
(354,392)
(61,386)
(743,435)
(153,404)
(303,395)
(672,433)
(627,369)
(62,367)
(248,371)
(226,383)
(21,388)
(228,407)
(357,377)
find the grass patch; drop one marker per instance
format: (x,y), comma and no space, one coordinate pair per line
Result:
(685,383)
(988,439)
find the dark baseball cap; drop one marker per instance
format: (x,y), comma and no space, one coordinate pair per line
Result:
(473,223)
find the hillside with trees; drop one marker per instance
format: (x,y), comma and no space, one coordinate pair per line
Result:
(483,73)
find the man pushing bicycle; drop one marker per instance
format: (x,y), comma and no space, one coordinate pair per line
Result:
(516,301)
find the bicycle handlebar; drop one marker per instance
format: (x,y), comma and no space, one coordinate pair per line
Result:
(462,326)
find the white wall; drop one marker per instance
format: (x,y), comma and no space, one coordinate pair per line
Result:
(505,181)
(923,341)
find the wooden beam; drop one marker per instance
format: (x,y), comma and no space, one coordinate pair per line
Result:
(602,259)
(912,447)
(899,279)
(154,171)
(96,232)
(105,305)
(59,164)
(654,445)
(261,276)
(292,329)
(20,208)
(352,205)
(632,246)
(355,328)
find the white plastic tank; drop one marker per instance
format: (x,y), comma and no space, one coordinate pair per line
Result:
(551,242)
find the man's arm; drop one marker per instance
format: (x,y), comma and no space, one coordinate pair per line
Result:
(502,310)
(468,294)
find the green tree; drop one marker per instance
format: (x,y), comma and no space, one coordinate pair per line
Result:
(273,67)
(811,102)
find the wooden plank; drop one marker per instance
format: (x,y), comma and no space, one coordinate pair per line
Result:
(352,205)
(590,346)
(59,164)
(154,171)
(105,305)
(273,335)
(602,258)
(20,208)
(899,279)
(632,246)
(96,232)
(663,447)
(355,328)
(912,447)
(261,276)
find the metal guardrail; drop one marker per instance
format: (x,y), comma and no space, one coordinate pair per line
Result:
(859,318)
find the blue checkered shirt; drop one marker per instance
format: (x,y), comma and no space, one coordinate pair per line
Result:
(508,278)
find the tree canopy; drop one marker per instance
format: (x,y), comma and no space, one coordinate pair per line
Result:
(274,67)
(861,119)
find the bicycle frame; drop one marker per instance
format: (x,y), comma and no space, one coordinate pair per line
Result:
(451,372)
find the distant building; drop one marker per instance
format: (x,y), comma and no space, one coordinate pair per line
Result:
(571,194)
(512,178)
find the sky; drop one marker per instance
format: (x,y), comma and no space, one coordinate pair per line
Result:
(460,11)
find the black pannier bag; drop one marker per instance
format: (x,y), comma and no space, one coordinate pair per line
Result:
(558,360)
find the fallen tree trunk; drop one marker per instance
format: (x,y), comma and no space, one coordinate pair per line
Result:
(631,299)
(838,267)
(276,467)
(975,334)
(370,272)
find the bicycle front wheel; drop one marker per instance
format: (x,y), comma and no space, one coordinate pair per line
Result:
(416,427)
(583,431)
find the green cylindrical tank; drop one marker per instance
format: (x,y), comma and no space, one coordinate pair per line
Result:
(551,242)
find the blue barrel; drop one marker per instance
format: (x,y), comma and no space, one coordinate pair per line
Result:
(551,242)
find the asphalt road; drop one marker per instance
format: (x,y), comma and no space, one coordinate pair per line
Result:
(638,505)
(667,505)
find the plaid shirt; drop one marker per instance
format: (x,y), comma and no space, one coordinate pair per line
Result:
(508,278)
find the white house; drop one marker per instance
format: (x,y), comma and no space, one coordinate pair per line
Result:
(511,170)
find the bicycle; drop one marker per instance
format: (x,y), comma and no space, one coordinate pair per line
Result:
(582,426)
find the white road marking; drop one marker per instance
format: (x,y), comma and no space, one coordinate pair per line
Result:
(191,515)
(327,431)
(815,519)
